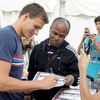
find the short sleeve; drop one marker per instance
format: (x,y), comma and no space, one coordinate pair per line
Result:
(7,46)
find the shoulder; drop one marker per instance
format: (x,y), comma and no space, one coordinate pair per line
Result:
(6,33)
(5,30)
(71,50)
(8,37)
(36,48)
(40,45)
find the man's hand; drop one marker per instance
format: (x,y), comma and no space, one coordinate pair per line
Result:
(27,97)
(69,79)
(83,61)
(92,38)
(49,81)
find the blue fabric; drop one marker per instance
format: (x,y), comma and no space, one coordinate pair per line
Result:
(94,64)
(11,51)
(92,70)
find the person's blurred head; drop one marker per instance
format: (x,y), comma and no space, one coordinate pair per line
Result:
(26,44)
(58,31)
(97,23)
(32,19)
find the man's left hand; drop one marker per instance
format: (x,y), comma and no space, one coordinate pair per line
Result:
(69,79)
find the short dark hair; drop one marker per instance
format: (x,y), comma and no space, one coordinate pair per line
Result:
(35,10)
(97,19)
(61,19)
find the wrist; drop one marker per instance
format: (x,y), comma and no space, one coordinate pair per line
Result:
(40,84)
(82,72)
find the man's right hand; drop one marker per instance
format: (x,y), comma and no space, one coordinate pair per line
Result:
(27,97)
(49,81)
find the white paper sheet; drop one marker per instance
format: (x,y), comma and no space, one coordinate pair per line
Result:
(42,75)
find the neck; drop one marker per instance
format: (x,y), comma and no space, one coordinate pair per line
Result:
(17,27)
(99,33)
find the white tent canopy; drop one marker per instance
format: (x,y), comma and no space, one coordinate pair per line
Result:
(17,5)
(9,9)
(80,13)
(86,7)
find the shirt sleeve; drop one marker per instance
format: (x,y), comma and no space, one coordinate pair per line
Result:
(74,70)
(6,47)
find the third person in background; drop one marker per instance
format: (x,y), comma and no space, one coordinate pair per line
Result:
(93,43)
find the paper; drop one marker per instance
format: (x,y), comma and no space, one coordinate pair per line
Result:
(42,75)
(70,94)
(67,94)
(61,81)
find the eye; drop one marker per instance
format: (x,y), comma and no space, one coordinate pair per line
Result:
(54,33)
(62,36)
(37,27)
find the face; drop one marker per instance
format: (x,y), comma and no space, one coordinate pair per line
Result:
(58,32)
(98,26)
(31,27)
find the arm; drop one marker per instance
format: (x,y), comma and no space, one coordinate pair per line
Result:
(85,93)
(10,84)
(72,78)
(7,82)
(81,43)
(93,39)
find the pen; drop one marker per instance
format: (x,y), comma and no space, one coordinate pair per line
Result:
(51,70)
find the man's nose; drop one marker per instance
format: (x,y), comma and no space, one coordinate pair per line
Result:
(56,37)
(36,32)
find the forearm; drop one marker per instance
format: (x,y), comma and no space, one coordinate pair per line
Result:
(10,84)
(85,93)
(75,71)
(80,46)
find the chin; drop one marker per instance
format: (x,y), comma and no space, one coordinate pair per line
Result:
(55,45)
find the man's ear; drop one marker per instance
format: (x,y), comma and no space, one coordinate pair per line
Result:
(25,16)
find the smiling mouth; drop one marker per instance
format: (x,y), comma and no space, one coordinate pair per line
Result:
(31,33)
